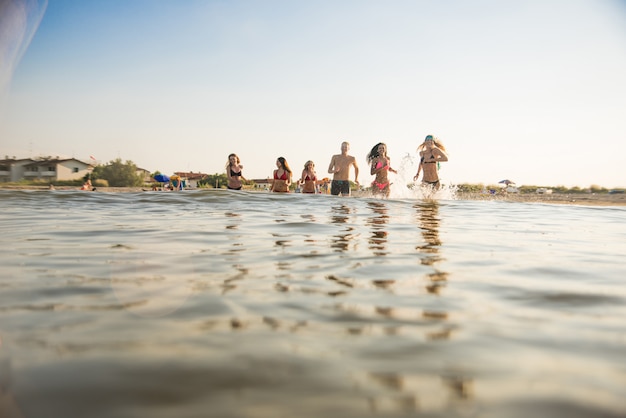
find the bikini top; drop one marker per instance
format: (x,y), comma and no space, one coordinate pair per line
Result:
(233,174)
(380,165)
(282,177)
(429,162)
(307,178)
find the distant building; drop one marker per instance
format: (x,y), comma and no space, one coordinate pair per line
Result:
(144,174)
(190,180)
(12,170)
(47,169)
(262,183)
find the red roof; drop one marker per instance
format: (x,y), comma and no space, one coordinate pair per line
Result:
(191,176)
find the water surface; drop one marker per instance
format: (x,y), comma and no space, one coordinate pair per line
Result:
(242,304)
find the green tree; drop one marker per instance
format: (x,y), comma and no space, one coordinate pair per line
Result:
(216,181)
(118,174)
(594,188)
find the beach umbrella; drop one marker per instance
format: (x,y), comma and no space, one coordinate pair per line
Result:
(161,178)
(507,182)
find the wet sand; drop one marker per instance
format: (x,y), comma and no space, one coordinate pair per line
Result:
(595,199)
(588,199)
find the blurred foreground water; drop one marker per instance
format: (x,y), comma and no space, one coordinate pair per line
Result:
(240,304)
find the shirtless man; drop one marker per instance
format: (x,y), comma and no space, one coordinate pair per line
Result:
(340,169)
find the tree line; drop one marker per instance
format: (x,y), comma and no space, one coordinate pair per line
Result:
(117,173)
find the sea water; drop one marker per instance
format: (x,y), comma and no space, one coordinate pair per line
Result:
(241,304)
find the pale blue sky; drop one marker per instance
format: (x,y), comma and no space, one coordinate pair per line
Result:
(534,90)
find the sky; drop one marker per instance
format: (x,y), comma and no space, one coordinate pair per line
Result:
(532,91)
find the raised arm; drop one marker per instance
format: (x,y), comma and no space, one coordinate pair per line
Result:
(440,155)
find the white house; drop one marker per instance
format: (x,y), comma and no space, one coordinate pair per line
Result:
(191,179)
(48,169)
(12,170)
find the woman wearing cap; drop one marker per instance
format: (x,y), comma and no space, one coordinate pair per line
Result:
(432,152)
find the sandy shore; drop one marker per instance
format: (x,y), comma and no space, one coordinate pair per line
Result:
(587,199)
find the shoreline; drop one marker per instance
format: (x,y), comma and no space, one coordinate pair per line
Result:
(588,199)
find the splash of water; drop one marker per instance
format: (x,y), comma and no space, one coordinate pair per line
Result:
(404,187)
(19,20)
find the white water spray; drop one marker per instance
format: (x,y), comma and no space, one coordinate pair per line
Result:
(404,187)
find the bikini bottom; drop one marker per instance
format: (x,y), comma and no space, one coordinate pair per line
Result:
(381,186)
(435,184)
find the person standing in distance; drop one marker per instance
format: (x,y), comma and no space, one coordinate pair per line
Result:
(282,176)
(339,167)
(308,179)
(234,172)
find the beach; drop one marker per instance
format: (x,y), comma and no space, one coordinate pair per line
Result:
(600,199)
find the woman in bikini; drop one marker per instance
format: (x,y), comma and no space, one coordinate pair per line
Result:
(308,179)
(432,152)
(282,177)
(380,164)
(233,172)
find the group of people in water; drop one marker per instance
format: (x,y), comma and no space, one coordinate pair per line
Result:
(431,153)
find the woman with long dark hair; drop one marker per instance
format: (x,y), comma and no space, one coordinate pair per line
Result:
(282,177)
(380,165)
